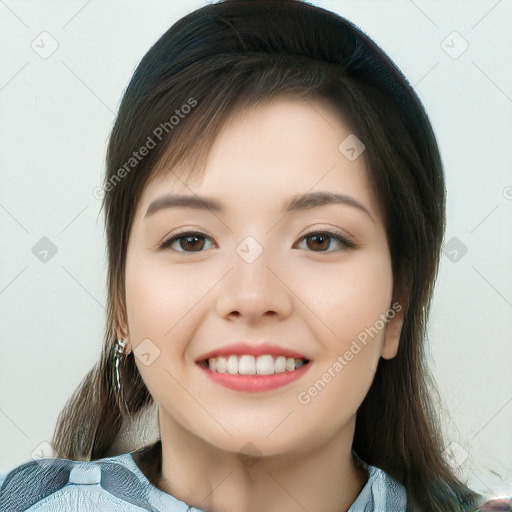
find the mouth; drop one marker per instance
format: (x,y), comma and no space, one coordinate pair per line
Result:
(253,374)
(247,364)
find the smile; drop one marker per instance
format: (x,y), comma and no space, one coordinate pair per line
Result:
(250,365)
(253,374)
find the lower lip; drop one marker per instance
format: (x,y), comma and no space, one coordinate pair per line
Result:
(255,383)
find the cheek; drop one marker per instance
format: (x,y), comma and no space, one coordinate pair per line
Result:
(349,297)
(161,297)
(163,303)
(350,304)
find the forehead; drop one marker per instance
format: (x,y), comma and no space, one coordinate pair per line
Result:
(282,148)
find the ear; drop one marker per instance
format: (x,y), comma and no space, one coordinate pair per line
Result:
(393,330)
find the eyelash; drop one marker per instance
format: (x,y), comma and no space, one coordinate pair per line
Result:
(348,244)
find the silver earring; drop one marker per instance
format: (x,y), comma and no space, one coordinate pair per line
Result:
(117,359)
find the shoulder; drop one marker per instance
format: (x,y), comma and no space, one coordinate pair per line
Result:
(51,484)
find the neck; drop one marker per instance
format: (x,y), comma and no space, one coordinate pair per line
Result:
(327,478)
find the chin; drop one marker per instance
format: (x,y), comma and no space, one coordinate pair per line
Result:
(252,444)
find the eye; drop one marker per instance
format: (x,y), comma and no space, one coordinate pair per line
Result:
(193,241)
(322,240)
(186,240)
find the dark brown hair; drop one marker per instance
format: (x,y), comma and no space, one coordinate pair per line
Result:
(217,60)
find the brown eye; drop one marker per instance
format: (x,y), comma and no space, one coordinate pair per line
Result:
(321,241)
(187,242)
(317,241)
(191,242)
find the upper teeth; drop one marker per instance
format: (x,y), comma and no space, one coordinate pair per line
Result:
(249,365)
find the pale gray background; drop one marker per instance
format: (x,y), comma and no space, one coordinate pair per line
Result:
(56,115)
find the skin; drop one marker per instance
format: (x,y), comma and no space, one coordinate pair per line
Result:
(296,456)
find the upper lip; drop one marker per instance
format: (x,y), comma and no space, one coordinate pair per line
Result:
(252,349)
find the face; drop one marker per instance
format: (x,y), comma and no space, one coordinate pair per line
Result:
(309,287)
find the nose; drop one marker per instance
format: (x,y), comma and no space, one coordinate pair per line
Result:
(253,291)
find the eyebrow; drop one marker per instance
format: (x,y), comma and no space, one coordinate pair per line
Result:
(296,203)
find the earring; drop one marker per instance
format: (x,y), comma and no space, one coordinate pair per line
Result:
(119,354)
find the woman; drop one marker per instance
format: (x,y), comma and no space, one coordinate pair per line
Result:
(275,208)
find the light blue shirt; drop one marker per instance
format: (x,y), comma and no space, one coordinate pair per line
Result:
(116,483)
